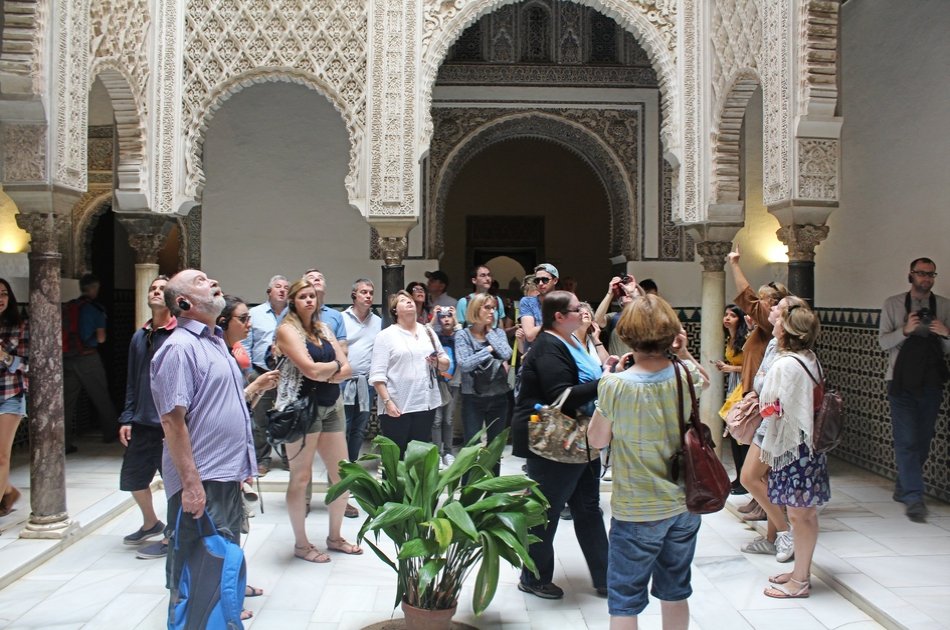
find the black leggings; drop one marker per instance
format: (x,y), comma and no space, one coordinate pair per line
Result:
(416,425)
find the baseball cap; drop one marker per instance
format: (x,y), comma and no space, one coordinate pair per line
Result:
(439,275)
(551,269)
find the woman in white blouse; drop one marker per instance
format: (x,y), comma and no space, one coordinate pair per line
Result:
(404,372)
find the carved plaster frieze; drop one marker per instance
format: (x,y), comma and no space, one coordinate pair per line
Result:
(25,24)
(818,57)
(735,38)
(802,240)
(609,141)
(653,22)
(45,231)
(393,249)
(713,254)
(691,62)
(230,45)
(70,92)
(393,171)
(538,75)
(675,241)
(778,100)
(24,153)
(165,115)
(118,40)
(818,169)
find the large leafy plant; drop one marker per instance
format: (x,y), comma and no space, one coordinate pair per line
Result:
(444,522)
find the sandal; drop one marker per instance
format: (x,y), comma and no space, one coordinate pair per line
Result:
(309,553)
(341,545)
(781,578)
(780,591)
(253,591)
(7,501)
(351,511)
(246,614)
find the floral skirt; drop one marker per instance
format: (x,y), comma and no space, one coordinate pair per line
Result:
(803,483)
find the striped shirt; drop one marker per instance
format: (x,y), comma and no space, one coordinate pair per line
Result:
(15,340)
(193,369)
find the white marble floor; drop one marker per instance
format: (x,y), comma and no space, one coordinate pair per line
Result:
(869,555)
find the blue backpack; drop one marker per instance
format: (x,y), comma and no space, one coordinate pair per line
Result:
(212,584)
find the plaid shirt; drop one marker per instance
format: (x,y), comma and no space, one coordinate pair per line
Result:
(14,340)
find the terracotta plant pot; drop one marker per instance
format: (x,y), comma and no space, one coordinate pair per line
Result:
(424,619)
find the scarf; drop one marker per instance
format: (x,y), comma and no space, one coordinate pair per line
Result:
(788,389)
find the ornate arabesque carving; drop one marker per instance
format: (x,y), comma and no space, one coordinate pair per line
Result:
(713,254)
(675,241)
(45,230)
(609,141)
(24,29)
(147,234)
(393,249)
(818,57)
(119,50)
(24,153)
(71,92)
(727,139)
(802,240)
(167,107)
(652,21)
(393,171)
(777,101)
(230,45)
(818,169)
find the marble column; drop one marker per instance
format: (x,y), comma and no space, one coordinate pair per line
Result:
(147,234)
(394,249)
(712,337)
(48,516)
(801,240)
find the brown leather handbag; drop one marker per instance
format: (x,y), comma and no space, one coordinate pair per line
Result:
(707,484)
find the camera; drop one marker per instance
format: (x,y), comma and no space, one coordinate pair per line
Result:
(926,317)
(618,289)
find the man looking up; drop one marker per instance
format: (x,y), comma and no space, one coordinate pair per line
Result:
(209,455)
(140,429)
(264,320)
(328,315)
(362,326)
(481,281)
(914,329)
(437,285)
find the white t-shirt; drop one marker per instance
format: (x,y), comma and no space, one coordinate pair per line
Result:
(399,360)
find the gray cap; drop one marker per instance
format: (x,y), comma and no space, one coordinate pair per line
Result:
(551,269)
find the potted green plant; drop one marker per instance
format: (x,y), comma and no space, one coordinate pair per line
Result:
(442,527)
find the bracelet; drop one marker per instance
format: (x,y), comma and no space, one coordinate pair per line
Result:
(598,345)
(339,366)
(387,401)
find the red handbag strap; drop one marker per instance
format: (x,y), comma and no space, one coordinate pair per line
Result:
(694,411)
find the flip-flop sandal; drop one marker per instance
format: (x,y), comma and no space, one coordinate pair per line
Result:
(343,546)
(311,554)
(253,591)
(246,614)
(781,578)
(779,591)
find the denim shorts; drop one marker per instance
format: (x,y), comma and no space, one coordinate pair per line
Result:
(14,404)
(662,550)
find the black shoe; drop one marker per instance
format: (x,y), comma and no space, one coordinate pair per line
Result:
(738,488)
(917,512)
(601,591)
(566,514)
(141,535)
(544,591)
(897,497)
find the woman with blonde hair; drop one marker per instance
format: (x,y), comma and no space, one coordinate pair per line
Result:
(483,354)
(316,365)
(652,535)
(798,478)
(407,359)
(588,333)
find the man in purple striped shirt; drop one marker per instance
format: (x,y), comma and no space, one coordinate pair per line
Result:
(199,394)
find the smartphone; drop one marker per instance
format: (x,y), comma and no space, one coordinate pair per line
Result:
(280,362)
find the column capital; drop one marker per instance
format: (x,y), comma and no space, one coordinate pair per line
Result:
(393,249)
(45,229)
(147,234)
(802,239)
(713,254)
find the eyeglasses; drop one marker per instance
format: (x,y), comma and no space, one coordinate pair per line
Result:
(243,318)
(924,274)
(572,310)
(442,315)
(542,280)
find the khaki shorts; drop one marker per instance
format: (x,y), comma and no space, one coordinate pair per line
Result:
(328,419)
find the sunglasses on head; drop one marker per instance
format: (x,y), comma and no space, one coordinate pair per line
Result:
(443,315)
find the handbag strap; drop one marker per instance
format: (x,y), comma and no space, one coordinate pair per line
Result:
(821,374)
(694,409)
(560,400)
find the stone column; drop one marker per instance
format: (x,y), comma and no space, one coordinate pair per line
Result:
(147,234)
(801,241)
(48,516)
(394,249)
(712,337)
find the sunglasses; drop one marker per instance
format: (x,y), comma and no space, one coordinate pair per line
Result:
(542,280)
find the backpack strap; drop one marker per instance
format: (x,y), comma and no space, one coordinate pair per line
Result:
(805,367)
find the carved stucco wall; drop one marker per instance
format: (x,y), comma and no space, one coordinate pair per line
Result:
(119,53)
(652,21)
(24,35)
(230,45)
(70,92)
(609,141)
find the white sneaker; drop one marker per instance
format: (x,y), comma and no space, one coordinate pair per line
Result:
(784,547)
(448,458)
(608,475)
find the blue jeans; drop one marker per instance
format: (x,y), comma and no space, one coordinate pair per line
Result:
(913,419)
(442,434)
(578,485)
(356,422)
(662,550)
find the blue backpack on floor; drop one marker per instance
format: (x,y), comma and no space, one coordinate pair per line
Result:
(212,584)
